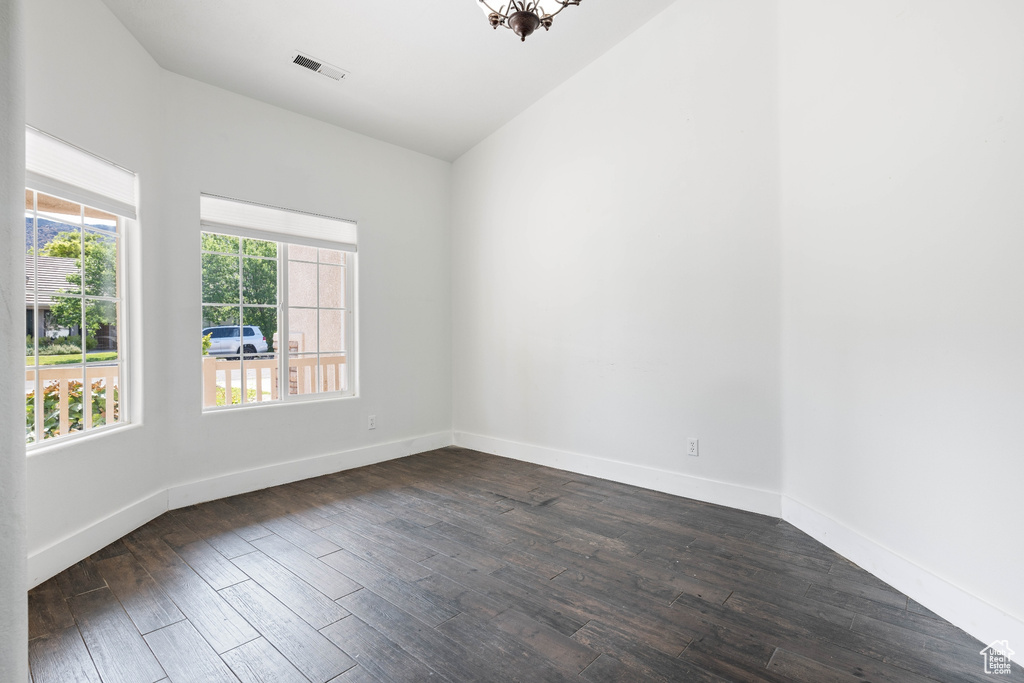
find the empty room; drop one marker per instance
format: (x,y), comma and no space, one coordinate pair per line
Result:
(572,340)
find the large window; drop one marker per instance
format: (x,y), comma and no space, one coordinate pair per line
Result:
(77,207)
(277,314)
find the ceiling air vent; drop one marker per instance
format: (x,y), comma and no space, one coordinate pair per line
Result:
(328,70)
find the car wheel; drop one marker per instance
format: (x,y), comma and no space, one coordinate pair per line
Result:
(249,348)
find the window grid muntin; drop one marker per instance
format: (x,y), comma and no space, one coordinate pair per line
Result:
(121,363)
(240,255)
(319,380)
(284,395)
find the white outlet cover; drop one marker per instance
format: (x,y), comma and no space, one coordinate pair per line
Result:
(693,447)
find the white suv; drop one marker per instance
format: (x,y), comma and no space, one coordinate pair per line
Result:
(224,340)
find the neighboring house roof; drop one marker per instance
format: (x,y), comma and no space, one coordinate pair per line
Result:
(53,274)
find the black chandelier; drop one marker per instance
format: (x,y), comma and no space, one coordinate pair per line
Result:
(523,16)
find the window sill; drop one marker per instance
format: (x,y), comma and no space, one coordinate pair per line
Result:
(75,440)
(305,400)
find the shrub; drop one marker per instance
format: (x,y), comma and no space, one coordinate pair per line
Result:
(72,339)
(59,350)
(61,346)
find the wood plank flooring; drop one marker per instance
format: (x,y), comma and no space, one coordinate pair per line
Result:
(458,566)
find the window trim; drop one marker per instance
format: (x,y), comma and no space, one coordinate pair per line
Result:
(125,226)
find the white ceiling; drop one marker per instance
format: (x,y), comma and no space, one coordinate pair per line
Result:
(429,75)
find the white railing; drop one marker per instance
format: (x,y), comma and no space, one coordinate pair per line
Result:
(258,383)
(257,379)
(63,378)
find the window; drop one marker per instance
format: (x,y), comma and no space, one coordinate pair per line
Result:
(77,209)
(277,307)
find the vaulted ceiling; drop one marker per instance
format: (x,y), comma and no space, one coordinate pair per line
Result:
(431,76)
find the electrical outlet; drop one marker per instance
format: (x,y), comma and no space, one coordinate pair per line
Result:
(371,422)
(693,448)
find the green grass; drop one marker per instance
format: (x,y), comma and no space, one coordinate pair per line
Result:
(72,358)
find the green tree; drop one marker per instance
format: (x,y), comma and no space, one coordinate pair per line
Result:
(98,253)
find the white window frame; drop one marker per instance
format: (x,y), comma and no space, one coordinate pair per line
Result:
(65,171)
(260,225)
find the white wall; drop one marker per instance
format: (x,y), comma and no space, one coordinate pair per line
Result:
(616,265)
(225,144)
(91,84)
(13,602)
(666,272)
(903,161)
(183,137)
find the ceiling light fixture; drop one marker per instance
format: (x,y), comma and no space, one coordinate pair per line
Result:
(523,16)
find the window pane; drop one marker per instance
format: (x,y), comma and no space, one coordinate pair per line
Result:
(221,381)
(259,363)
(215,242)
(30,239)
(219,322)
(259,281)
(302,336)
(252,247)
(297,252)
(63,404)
(266,320)
(58,210)
(332,286)
(220,279)
(332,256)
(302,283)
(229,382)
(333,372)
(303,376)
(104,392)
(260,374)
(101,342)
(59,266)
(30,336)
(100,264)
(332,331)
(100,220)
(260,326)
(61,326)
(219,315)
(30,406)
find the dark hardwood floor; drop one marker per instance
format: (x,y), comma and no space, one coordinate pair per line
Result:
(459,566)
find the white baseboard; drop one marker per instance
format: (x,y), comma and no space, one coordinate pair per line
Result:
(58,556)
(977,617)
(232,484)
(666,481)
